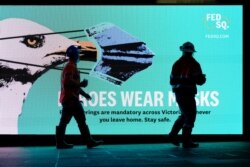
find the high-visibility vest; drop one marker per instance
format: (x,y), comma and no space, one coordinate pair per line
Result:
(185,68)
(69,90)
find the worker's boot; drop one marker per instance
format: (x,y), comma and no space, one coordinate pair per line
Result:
(173,135)
(90,142)
(187,141)
(60,143)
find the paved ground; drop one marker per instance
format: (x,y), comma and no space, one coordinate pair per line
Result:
(216,154)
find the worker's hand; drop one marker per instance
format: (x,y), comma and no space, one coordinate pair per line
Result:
(84,83)
(201,79)
(87,96)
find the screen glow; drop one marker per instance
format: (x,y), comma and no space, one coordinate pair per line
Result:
(132,95)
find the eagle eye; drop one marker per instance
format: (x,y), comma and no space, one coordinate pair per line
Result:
(34,41)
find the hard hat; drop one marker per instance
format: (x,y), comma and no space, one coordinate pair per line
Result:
(187,47)
(72,52)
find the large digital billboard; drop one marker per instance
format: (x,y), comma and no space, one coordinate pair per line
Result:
(127,55)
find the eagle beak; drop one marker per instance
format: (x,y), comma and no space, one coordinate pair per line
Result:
(88,51)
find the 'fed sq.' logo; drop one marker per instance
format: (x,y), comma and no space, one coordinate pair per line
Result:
(216,21)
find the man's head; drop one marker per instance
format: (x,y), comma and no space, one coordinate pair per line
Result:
(73,53)
(187,47)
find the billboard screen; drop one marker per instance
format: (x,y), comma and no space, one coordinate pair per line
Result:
(128,55)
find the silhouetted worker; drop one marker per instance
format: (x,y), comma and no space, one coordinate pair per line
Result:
(71,105)
(185,75)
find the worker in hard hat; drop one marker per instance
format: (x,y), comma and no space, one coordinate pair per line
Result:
(71,88)
(186,74)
